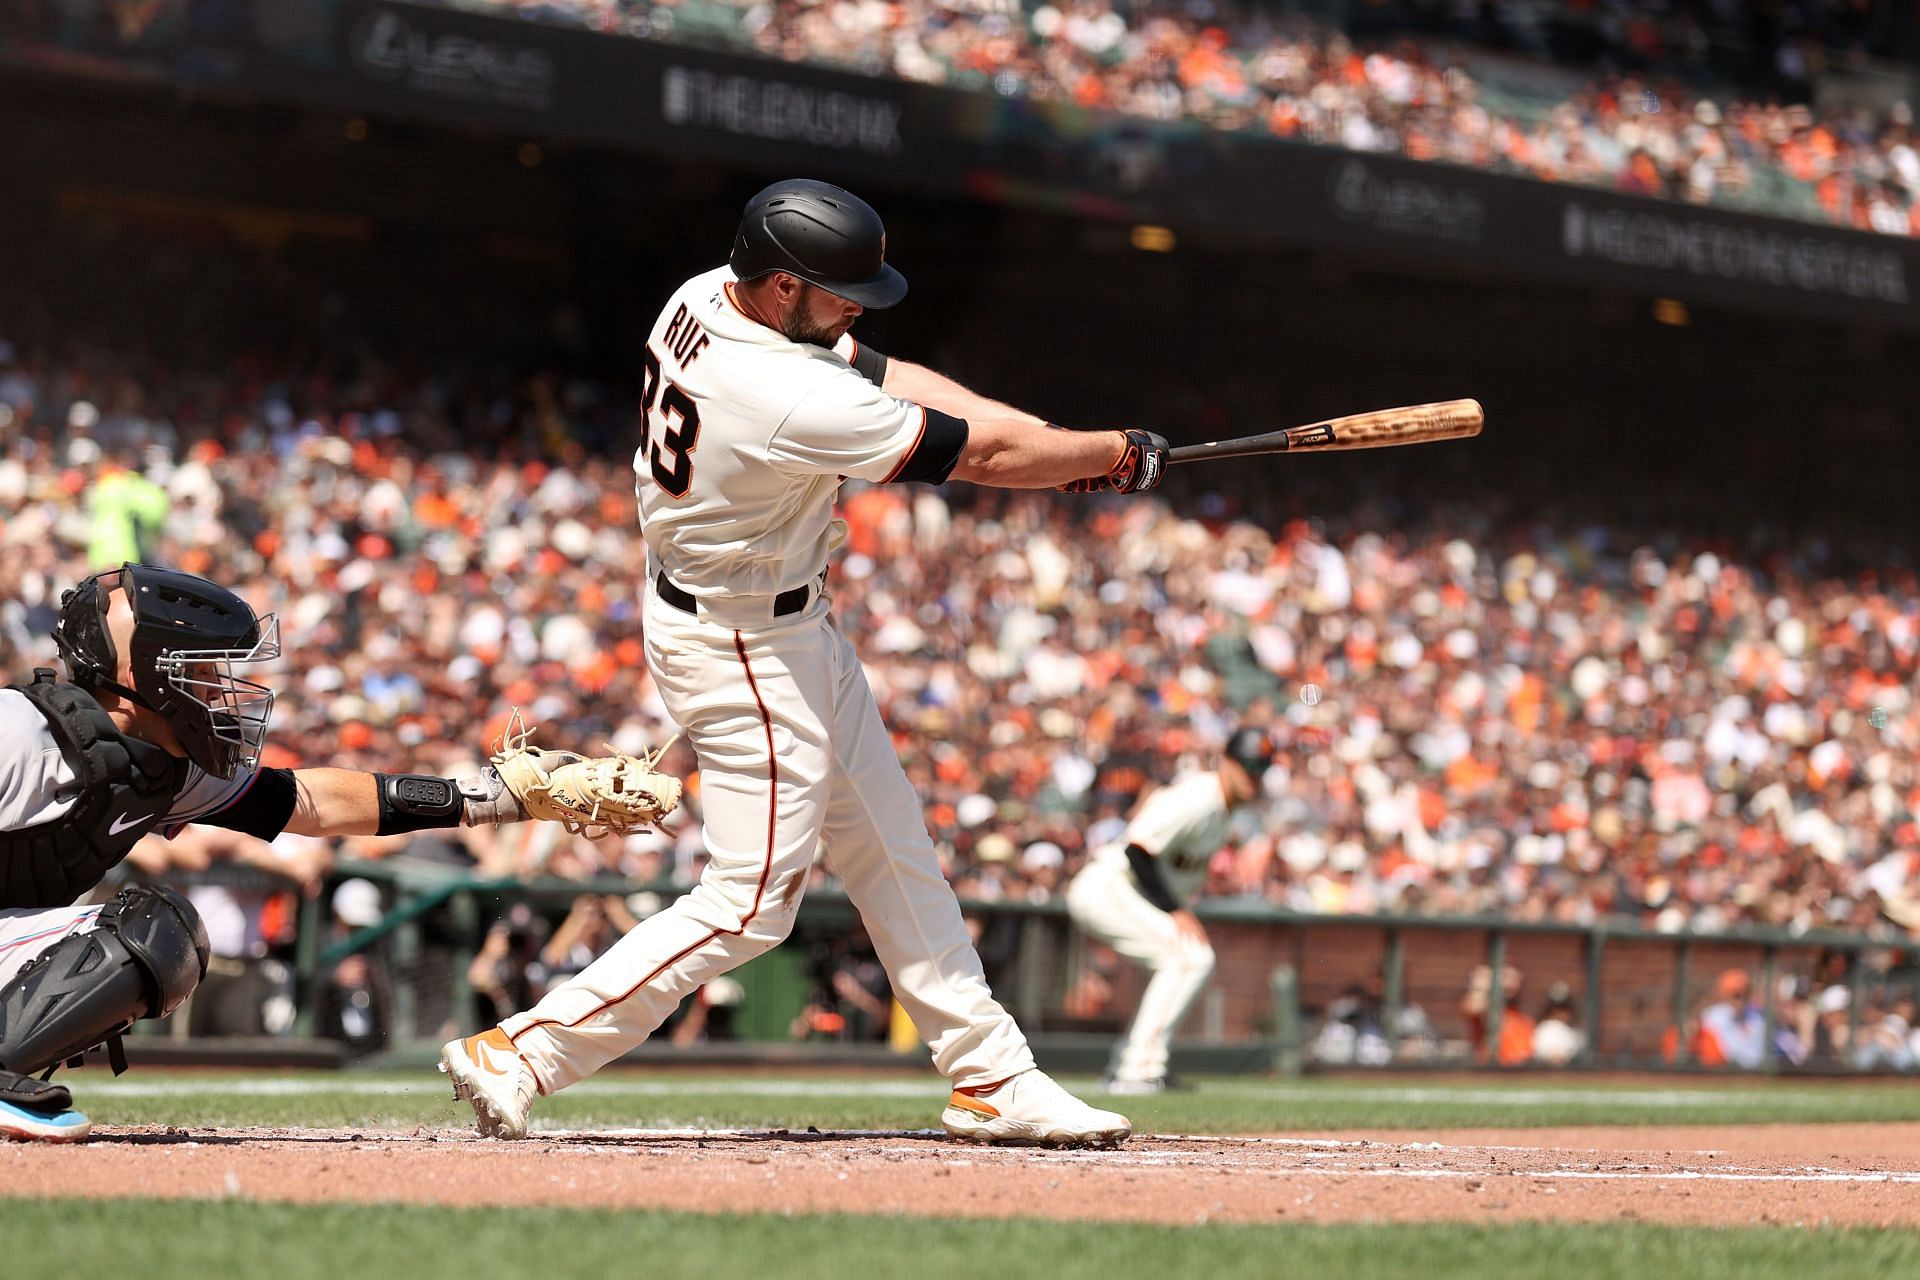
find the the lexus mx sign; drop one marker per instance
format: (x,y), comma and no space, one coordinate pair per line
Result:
(390,47)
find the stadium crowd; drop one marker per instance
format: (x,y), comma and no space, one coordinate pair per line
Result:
(1637,128)
(1568,723)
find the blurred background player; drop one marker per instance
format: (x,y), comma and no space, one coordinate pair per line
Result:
(1133,895)
(154,729)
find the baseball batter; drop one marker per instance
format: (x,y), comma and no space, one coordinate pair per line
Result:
(757,404)
(155,729)
(1133,895)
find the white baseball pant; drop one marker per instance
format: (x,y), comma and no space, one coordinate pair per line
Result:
(794,762)
(27,931)
(1104,902)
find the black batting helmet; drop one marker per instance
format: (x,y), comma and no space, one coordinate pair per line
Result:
(826,236)
(1252,749)
(188,634)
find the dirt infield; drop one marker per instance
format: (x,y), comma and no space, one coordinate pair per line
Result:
(1786,1174)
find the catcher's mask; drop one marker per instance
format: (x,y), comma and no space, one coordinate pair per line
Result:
(188,636)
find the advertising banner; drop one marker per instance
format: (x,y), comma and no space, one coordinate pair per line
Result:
(738,110)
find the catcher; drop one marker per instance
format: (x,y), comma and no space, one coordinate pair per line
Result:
(155,729)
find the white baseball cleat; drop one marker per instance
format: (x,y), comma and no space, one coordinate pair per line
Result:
(1031,1109)
(488,1073)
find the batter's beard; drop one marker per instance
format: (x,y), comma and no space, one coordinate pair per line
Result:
(800,327)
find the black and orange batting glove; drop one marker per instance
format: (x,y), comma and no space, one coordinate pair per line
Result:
(1143,461)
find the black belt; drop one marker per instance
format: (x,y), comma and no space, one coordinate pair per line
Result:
(783,604)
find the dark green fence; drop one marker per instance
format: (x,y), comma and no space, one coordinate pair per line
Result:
(1292,992)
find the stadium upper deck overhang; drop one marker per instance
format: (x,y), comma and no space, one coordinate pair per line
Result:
(449,67)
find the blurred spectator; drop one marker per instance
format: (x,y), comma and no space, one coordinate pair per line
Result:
(1887,1036)
(1089,1003)
(1516,1025)
(127,509)
(1359,1029)
(507,973)
(1733,1028)
(1832,1027)
(1557,1039)
(248,989)
(1352,1031)
(593,924)
(1791,1017)
(851,999)
(354,1006)
(1828,1020)
(708,1014)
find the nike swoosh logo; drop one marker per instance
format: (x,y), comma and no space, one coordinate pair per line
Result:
(121,823)
(492,1058)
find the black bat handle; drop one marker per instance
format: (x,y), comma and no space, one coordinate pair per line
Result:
(1274,442)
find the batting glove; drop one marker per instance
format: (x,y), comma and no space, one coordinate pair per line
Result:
(1143,461)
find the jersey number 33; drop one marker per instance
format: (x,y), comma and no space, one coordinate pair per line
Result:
(667,441)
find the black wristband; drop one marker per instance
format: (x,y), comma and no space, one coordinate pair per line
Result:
(417,802)
(870,364)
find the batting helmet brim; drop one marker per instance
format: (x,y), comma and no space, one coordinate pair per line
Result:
(876,293)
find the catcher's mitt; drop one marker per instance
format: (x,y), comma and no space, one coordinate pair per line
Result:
(605,795)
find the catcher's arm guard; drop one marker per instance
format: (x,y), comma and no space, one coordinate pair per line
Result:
(606,795)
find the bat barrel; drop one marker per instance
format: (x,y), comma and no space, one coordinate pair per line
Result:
(1384,428)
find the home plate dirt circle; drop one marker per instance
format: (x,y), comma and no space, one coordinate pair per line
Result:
(1787,1174)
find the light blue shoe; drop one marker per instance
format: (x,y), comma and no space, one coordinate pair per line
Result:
(20,1124)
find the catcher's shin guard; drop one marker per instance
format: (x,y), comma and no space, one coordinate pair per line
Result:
(145,954)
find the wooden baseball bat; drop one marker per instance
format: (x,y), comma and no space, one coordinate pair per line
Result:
(1383,428)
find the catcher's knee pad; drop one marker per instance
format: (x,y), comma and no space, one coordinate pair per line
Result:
(145,954)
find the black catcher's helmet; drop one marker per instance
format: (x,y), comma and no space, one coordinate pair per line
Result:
(826,236)
(188,636)
(1252,749)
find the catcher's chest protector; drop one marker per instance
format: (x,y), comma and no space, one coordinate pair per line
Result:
(125,787)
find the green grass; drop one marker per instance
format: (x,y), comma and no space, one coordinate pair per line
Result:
(618,1098)
(160,1240)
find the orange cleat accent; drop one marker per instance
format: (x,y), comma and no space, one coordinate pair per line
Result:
(967,1102)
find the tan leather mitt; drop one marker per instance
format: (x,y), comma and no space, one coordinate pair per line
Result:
(600,795)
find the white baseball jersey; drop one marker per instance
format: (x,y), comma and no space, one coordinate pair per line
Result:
(746,437)
(1182,825)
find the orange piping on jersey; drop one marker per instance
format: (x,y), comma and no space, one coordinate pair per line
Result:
(773,779)
(907,457)
(759,892)
(741,307)
(622,998)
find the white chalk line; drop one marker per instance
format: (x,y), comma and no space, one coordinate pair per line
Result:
(1897,1178)
(966,1156)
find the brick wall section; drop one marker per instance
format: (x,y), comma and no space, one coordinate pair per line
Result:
(1329,958)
